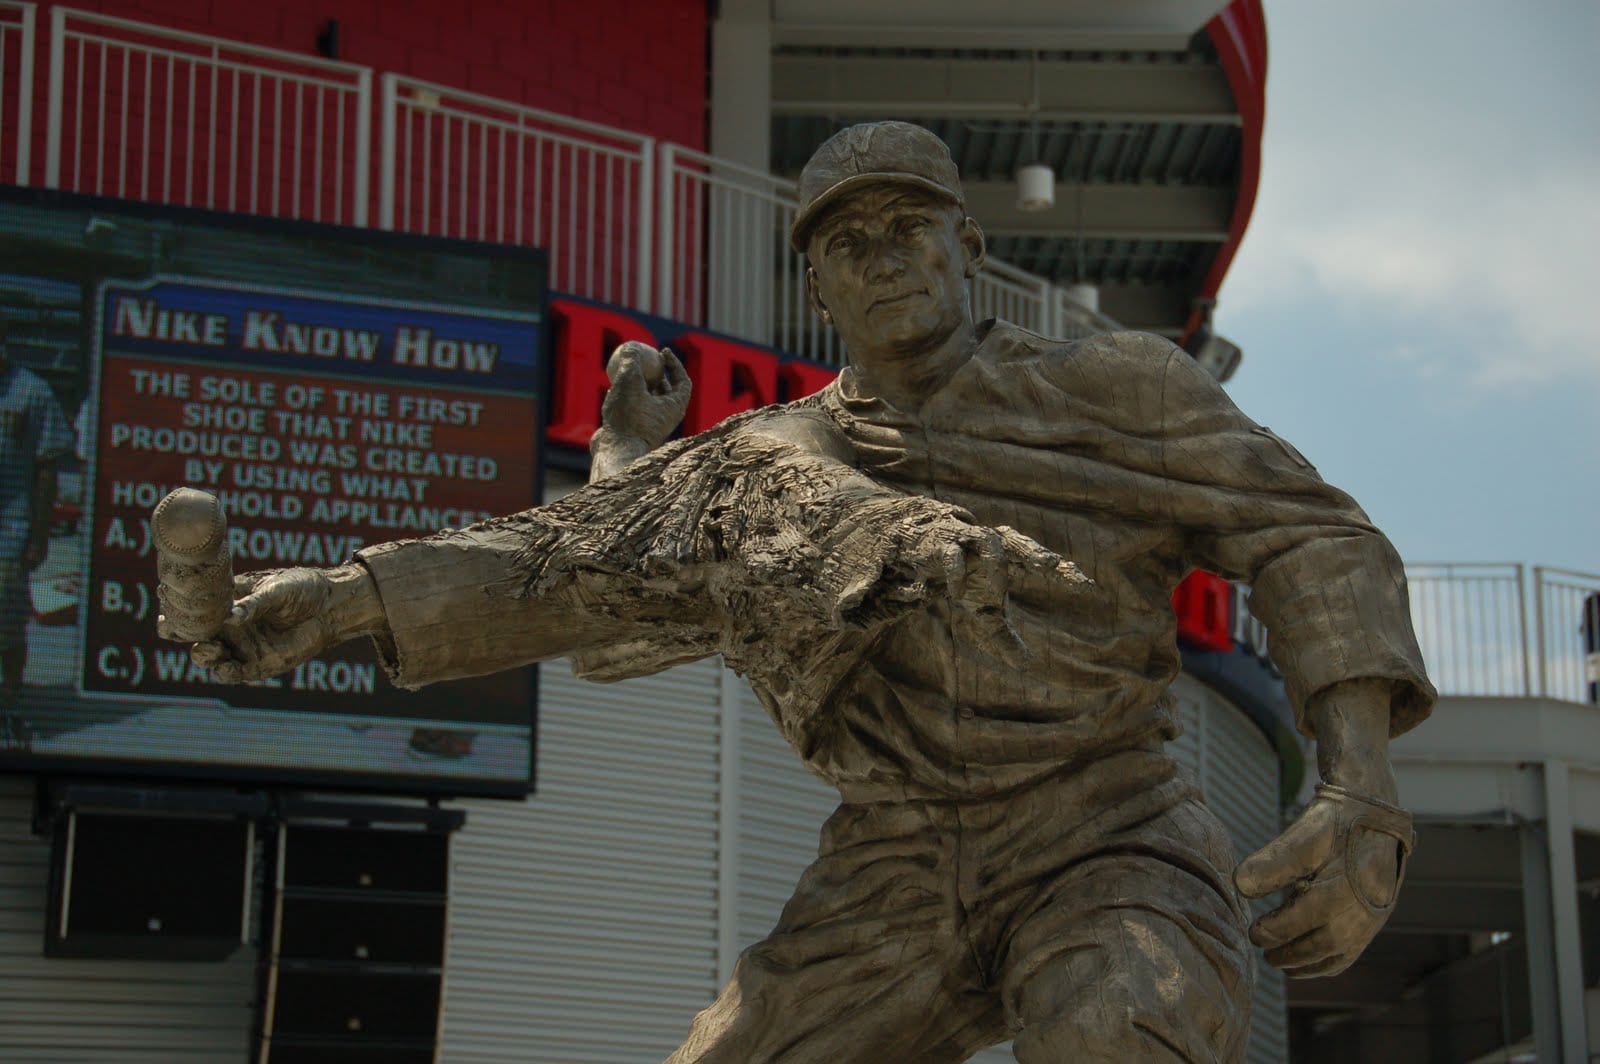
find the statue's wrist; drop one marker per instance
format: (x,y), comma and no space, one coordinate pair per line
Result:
(612,451)
(354,607)
(607,439)
(1366,774)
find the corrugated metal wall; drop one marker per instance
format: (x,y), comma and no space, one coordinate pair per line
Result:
(1238,772)
(71,1011)
(583,925)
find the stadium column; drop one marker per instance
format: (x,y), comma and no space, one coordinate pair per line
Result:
(1550,907)
(741,131)
(741,83)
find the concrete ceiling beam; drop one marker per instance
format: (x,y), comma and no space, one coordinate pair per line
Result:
(1150,25)
(1002,89)
(1107,212)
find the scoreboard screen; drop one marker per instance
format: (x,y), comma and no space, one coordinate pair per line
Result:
(333,388)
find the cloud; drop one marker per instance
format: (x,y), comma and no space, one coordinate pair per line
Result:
(1472,212)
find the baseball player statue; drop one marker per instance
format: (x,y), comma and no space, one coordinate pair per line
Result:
(948,577)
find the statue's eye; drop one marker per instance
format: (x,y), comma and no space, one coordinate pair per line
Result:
(841,242)
(911,228)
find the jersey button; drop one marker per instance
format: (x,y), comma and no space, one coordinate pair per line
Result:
(967,712)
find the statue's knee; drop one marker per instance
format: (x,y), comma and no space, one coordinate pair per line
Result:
(1096,1034)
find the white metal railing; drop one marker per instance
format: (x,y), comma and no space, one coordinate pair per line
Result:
(1472,627)
(1000,290)
(455,163)
(16,87)
(1071,320)
(138,110)
(1567,633)
(725,263)
(1487,629)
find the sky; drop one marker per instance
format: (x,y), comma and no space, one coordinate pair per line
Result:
(1418,291)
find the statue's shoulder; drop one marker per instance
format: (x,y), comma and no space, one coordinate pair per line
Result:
(1131,378)
(1004,341)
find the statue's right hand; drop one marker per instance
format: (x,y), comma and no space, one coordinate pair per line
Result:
(649,393)
(280,619)
(978,566)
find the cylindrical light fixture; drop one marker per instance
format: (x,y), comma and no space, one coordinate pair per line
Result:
(1036,187)
(1085,295)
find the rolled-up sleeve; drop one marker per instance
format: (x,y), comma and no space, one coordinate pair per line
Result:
(1328,586)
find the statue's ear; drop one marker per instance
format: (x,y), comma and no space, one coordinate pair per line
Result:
(814,297)
(972,241)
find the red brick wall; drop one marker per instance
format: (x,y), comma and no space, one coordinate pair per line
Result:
(636,64)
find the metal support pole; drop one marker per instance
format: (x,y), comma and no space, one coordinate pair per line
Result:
(1538,629)
(363,152)
(389,97)
(1522,620)
(644,286)
(666,246)
(25,99)
(55,105)
(728,809)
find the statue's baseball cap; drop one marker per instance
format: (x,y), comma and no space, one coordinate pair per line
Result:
(868,154)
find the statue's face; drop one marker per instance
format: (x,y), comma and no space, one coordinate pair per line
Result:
(889,268)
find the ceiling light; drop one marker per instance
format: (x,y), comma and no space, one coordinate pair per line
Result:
(1036,187)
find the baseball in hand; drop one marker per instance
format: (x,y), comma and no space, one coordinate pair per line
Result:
(648,358)
(194,565)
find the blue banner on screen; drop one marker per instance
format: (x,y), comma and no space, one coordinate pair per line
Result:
(300,333)
(333,389)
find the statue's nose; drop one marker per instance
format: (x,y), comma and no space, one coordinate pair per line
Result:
(884,263)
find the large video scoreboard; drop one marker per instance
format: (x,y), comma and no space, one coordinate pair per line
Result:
(333,388)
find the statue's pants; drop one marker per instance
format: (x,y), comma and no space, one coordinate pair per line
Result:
(1090,917)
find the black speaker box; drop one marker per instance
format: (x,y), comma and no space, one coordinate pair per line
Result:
(129,886)
(365,1005)
(365,860)
(388,932)
(357,946)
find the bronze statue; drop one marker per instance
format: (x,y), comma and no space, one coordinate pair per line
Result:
(948,578)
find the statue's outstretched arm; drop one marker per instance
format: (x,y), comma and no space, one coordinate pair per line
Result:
(750,540)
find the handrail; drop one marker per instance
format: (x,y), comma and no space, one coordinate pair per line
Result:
(243,125)
(1488,629)
(538,177)
(262,50)
(23,29)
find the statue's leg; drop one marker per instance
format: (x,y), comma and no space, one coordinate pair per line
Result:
(871,961)
(1137,952)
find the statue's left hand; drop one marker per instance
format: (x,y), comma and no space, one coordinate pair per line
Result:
(1341,863)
